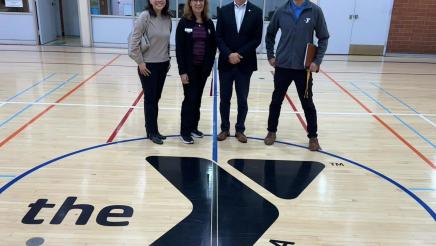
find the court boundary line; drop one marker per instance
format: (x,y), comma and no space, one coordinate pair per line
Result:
(399,137)
(35,118)
(42,97)
(424,205)
(297,113)
(380,104)
(403,103)
(125,117)
(215,157)
(233,110)
(38,82)
(123,52)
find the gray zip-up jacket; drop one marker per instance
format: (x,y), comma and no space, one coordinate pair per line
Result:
(296,34)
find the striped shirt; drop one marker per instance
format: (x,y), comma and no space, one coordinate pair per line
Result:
(199,36)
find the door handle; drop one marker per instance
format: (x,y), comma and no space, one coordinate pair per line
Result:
(356,17)
(350,17)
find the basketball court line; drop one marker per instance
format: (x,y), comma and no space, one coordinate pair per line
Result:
(422,189)
(232,110)
(23,127)
(397,117)
(373,171)
(382,73)
(125,117)
(70,52)
(294,108)
(428,120)
(52,63)
(404,103)
(48,93)
(25,90)
(7,176)
(410,146)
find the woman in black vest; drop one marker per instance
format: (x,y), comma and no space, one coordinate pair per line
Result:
(195,51)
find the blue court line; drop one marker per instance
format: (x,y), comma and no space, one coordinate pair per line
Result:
(396,116)
(393,182)
(35,84)
(4,122)
(422,189)
(215,114)
(7,176)
(396,98)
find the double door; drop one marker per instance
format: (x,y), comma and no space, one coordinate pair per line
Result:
(357,23)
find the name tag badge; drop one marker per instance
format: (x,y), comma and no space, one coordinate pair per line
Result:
(188,30)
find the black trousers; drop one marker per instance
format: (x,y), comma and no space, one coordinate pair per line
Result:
(193,92)
(152,86)
(242,86)
(283,77)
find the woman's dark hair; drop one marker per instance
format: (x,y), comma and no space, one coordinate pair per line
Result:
(164,10)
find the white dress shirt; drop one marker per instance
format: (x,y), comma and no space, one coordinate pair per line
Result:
(239,13)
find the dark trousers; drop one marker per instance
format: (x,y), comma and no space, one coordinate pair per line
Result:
(193,92)
(242,86)
(152,86)
(282,79)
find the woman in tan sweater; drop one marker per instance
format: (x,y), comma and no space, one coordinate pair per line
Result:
(153,64)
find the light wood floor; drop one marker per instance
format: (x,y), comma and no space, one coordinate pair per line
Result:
(376,120)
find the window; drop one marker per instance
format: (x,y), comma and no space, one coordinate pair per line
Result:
(213,7)
(124,7)
(112,7)
(271,6)
(14,6)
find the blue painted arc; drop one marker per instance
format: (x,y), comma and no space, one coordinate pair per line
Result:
(393,182)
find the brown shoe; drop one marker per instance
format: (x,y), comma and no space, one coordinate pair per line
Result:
(223,135)
(270,138)
(314,144)
(241,137)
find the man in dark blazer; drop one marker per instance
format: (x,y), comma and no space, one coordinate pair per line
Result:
(239,33)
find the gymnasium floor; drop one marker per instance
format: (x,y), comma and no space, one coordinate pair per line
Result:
(71,132)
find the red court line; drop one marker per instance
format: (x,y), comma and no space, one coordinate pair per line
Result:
(23,127)
(303,123)
(417,152)
(124,119)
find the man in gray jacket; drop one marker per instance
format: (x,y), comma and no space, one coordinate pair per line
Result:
(298,20)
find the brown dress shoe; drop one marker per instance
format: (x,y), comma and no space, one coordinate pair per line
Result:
(241,137)
(223,135)
(270,138)
(314,144)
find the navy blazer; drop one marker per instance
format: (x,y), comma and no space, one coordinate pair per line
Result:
(185,43)
(245,42)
